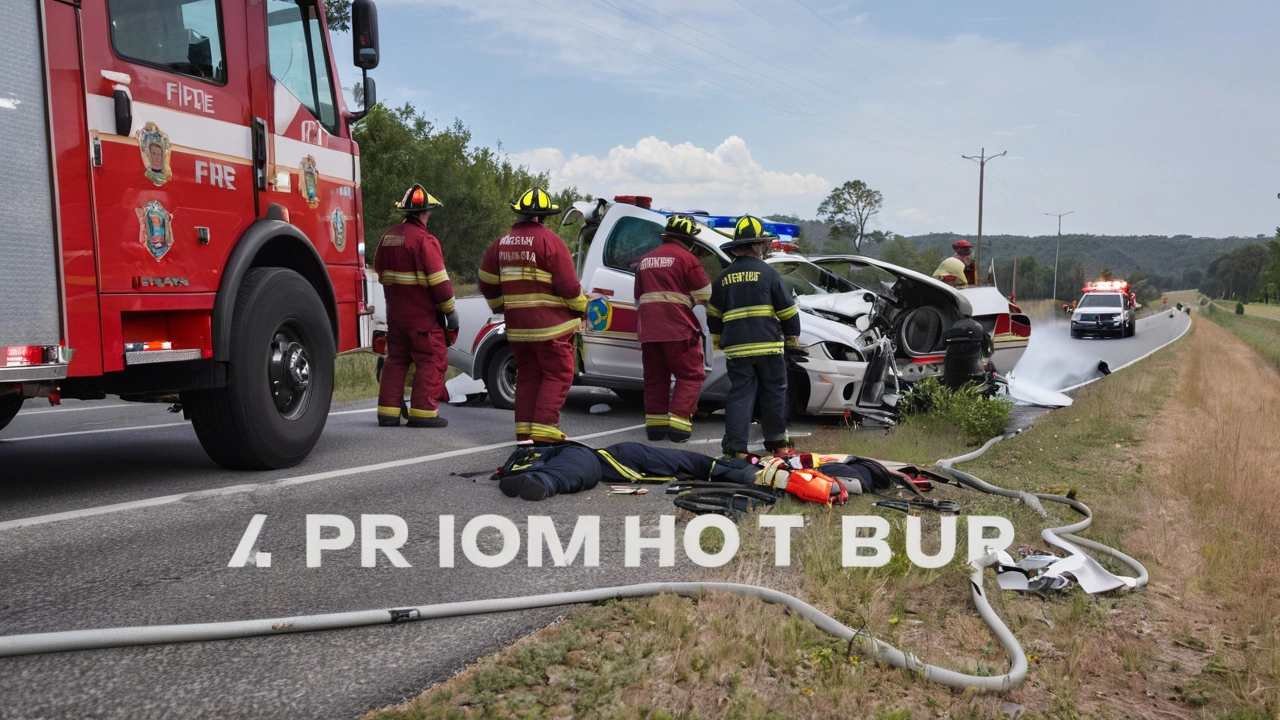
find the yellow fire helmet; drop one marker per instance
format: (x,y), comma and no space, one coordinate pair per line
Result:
(535,202)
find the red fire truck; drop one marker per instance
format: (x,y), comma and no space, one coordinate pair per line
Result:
(180,212)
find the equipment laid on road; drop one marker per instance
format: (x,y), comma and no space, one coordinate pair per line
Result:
(182,215)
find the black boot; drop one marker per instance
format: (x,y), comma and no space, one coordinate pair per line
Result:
(678,436)
(386,421)
(511,484)
(432,422)
(656,434)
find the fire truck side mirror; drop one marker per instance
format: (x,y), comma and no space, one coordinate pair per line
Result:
(364,23)
(370,92)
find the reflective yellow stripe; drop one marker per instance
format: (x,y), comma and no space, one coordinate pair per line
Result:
(486,277)
(578,304)
(416,413)
(630,474)
(537,334)
(524,428)
(752,349)
(546,432)
(680,423)
(668,297)
(749,312)
(385,411)
(713,311)
(522,272)
(391,277)
(715,342)
(792,341)
(495,304)
(788,313)
(436,278)
(703,294)
(655,420)
(535,300)
(446,306)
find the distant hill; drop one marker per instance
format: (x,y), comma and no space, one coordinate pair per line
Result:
(1156,254)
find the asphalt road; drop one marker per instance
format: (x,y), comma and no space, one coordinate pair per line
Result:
(111,515)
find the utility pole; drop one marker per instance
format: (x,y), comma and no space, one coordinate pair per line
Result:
(982,173)
(1056,247)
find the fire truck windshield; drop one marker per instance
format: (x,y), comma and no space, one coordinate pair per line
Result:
(179,35)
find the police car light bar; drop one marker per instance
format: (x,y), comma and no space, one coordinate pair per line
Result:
(1107,286)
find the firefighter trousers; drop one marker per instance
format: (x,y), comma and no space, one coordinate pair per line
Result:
(762,378)
(669,411)
(544,374)
(427,352)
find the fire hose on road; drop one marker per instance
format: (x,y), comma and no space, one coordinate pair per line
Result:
(875,648)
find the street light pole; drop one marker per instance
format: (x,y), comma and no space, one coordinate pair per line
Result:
(1057,245)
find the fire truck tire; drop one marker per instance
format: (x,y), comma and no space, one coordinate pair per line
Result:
(9,407)
(279,378)
(500,378)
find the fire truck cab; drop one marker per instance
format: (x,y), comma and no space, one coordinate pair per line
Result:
(181,212)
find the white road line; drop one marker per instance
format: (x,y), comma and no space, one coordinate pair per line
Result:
(91,432)
(138,427)
(25,413)
(283,482)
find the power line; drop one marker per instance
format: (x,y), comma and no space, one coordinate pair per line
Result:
(718,84)
(919,137)
(1056,247)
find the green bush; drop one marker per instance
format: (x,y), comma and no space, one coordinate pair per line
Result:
(1239,308)
(968,408)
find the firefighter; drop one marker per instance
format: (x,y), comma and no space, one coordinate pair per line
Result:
(669,282)
(753,318)
(964,253)
(952,272)
(410,266)
(528,275)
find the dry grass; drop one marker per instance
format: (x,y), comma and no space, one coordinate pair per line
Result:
(1175,483)
(1271,312)
(1260,333)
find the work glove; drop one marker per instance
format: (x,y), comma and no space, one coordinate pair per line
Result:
(451,320)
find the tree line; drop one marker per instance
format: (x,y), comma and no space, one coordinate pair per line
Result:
(400,147)
(1247,274)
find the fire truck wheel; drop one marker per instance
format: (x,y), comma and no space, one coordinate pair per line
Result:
(9,407)
(279,379)
(500,378)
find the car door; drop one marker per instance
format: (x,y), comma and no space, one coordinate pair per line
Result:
(613,350)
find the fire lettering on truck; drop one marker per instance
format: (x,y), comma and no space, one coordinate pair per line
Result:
(189,97)
(213,173)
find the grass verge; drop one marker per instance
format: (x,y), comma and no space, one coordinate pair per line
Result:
(1257,331)
(1160,454)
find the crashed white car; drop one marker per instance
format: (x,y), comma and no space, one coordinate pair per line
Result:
(918,309)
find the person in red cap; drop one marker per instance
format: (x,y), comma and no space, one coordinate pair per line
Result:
(964,253)
(410,268)
(670,281)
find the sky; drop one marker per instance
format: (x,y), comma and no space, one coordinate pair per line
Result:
(1141,117)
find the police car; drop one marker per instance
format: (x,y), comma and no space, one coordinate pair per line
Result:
(1105,310)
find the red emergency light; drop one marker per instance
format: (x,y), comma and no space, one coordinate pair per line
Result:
(21,355)
(637,200)
(1107,286)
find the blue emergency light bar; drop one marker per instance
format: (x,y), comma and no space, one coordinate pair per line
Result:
(786,232)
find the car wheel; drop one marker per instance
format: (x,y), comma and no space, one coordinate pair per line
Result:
(9,407)
(279,379)
(500,378)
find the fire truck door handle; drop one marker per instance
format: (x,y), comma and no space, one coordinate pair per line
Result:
(260,152)
(124,113)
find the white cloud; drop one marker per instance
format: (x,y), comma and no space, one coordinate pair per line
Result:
(914,216)
(724,180)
